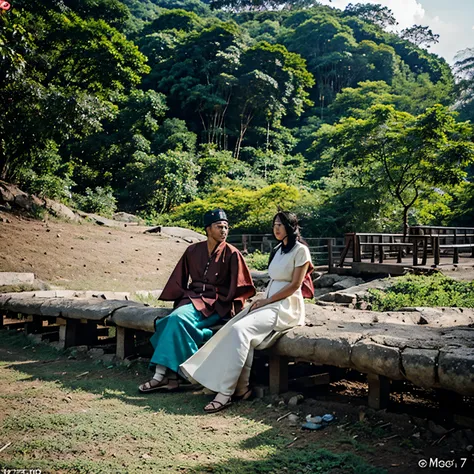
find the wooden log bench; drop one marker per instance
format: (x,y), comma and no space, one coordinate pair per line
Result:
(429,347)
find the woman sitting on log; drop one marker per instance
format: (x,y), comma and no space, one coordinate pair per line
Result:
(223,364)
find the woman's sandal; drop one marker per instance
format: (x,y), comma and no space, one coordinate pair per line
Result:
(244,396)
(154,386)
(217,406)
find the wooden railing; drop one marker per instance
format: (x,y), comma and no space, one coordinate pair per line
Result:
(323,249)
(421,240)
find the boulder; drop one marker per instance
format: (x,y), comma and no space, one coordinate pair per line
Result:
(125,217)
(328,280)
(348,282)
(7,192)
(60,210)
(13,278)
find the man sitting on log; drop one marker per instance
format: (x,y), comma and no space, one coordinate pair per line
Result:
(210,282)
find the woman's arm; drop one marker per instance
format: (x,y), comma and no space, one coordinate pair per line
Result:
(298,276)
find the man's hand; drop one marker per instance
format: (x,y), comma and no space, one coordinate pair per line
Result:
(259,303)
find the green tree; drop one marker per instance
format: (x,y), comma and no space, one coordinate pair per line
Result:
(272,83)
(377,14)
(420,35)
(464,69)
(403,152)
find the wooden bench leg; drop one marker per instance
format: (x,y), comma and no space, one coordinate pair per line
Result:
(456,255)
(125,343)
(379,391)
(67,332)
(278,374)
(34,326)
(87,333)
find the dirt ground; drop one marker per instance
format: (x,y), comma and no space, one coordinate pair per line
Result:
(87,256)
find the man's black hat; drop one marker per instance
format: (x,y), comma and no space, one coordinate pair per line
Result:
(214,216)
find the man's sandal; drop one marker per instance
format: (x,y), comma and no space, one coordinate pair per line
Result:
(217,406)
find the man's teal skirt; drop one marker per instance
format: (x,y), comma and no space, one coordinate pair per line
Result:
(178,336)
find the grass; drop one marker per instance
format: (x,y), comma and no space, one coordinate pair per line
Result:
(422,290)
(75,416)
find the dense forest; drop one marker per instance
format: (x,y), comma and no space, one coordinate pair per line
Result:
(166,108)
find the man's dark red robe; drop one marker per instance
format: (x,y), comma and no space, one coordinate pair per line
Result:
(218,284)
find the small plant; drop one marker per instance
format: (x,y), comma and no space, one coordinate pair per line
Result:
(413,290)
(257,260)
(100,201)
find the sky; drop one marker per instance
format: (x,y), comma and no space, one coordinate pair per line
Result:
(453,20)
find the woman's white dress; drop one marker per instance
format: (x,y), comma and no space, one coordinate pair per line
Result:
(223,363)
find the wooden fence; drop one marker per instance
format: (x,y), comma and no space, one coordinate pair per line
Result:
(323,249)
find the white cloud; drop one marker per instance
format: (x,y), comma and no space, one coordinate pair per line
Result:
(407,12)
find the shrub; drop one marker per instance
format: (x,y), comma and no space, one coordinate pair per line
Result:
(99,201)
(434,290)
(247,210)
(257,260)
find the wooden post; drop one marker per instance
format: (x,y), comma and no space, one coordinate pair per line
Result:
(357,250)
(278,374)
(380,249)
(2,315)
(87,333)
(330,257)
(347,244)
(436,251)
(34,326)
(425,251)
(372,255)
(125,343)
(379,391)
(68,330)
(456,255)
(415,252)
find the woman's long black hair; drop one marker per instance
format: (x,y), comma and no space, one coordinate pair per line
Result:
(290,222)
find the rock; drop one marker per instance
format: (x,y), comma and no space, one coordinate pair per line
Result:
(294,401)
(348,282)
(314,419)
(318,292)
(60,210)
(328,280)
(343,298)
(96,353)
(22,200)
(328,297)
(126,363)
(7,193)
(293,419)
(438,430)
(125,217)
(13,278)
(108,358)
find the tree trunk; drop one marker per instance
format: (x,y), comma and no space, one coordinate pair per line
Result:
(405,222)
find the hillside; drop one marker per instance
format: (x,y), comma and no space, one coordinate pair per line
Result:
(87,256)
